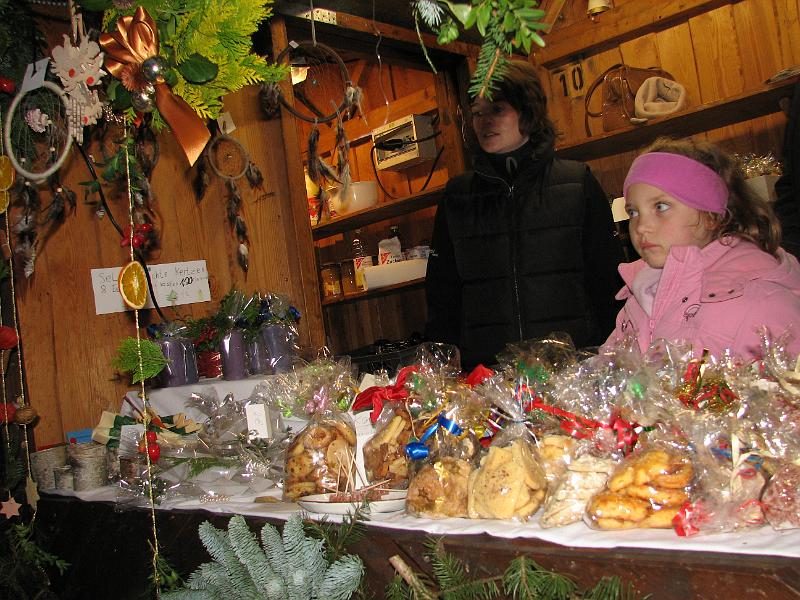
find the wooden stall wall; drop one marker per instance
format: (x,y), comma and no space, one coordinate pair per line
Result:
(717,49)
(68,349)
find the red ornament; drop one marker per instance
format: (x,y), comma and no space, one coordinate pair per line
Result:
(7,411)
(154,450)
(8,337)
(7,85)
(152,437)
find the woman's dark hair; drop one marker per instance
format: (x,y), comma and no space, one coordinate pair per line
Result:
(747,215)
(521,87)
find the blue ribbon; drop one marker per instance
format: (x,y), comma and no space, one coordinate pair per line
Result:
(418,450)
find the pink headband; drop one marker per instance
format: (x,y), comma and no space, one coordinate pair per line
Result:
(689,181)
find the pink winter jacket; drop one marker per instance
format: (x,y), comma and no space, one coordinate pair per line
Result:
(716,298)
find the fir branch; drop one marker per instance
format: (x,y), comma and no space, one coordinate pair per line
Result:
(612,588)
(127,359)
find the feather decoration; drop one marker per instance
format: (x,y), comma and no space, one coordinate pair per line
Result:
(254,176)
(241,228)
(201,178)
(242,256)
(353,96)
(27,250)
(268,99)
(29,195)
(342,158)
(318,170)
(234,201)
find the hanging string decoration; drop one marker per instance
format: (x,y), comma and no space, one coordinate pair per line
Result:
(79,67)
(228,159)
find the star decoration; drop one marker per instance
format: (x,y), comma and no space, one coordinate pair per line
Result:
(32,492)
(10,508)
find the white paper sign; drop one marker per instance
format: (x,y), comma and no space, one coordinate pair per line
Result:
(258,422)
(173,283)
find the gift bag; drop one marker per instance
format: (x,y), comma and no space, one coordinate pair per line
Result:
(618,84)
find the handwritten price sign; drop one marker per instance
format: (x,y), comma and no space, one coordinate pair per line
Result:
(173,284)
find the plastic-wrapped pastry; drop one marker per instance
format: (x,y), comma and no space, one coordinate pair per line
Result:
(584,477)
(509,484)
(554,454)
(320,458)
(646,490)
(439,489)
(384,455)
(781,498)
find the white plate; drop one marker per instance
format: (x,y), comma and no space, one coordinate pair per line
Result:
(319,503)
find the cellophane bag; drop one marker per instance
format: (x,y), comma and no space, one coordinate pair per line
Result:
(781,498)
(509,482)
(444,453)
(321,458)
(385,457)
(648,488)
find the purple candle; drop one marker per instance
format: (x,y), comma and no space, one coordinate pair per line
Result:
(234,355)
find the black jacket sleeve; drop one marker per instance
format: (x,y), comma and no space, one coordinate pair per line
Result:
(442,285)
(787,188)
(602,254)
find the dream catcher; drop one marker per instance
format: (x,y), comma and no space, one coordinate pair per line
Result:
(320,84)
(228,159)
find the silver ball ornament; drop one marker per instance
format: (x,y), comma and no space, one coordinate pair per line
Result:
(154,69)
(144,100)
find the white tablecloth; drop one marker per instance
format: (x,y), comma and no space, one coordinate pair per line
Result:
(761,541)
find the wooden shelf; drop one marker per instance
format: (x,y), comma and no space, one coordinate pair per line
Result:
(742,107)
(381,212)
(381,291)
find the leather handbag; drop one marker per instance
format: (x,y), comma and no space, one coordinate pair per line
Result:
(618,84)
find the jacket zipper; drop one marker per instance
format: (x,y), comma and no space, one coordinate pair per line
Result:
(517,307)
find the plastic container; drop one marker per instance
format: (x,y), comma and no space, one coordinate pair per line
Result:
(360,195)
(348,271)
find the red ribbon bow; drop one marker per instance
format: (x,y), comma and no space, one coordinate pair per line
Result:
(375,396)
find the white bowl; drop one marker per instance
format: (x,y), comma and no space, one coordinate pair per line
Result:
(360,195)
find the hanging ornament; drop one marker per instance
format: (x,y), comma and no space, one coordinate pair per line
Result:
(79,68)
(144,100)
(8,337)
(7,176)
(154,69)
(10,508)
(32,493)
(25,415)
(229,160)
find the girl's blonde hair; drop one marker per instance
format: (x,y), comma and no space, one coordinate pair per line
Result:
(747,216)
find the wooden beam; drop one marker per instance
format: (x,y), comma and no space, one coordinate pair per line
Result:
(553,12)
(326,17)
(629,21)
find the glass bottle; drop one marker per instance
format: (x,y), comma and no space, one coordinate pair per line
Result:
(360,260)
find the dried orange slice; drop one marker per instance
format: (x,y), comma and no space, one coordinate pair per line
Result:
(7,173)
(133,285)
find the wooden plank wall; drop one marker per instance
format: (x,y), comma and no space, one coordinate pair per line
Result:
(68,349)
(728,48)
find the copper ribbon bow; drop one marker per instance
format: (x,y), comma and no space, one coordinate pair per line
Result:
(136,40)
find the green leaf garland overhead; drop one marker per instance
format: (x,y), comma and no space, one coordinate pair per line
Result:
(507,26)
(207,47)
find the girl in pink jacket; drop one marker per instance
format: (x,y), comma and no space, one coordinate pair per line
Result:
(712,272)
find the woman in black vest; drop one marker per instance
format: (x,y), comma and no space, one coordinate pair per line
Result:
(524,244)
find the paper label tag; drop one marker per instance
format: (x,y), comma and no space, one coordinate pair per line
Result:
(225,122)
(258,423)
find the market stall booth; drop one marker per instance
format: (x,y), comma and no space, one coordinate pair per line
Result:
(261,231)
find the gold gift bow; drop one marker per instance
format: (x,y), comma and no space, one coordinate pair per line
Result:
(136,40)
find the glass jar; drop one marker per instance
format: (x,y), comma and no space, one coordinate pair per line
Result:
(331,280)
(348,277)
